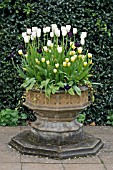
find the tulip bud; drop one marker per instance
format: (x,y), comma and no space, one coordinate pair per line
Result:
(89,55)
(57,65)
(38,32)
(83,35)
(64,64)
(26,39)
(43,59)
(28,30)
(45,48)
(82,42)
(59,49)
(20,52)
(47,62)
(79,50)
(85,64)
(57,32)
(54,26)
(73,59)
(68,64)
(34,29)
(67,60)
(64,32)
(49,43)
(55,70)
(24,34)
(51,34)
(74,30)
(68,27)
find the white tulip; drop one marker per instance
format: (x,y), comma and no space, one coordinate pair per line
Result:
(74,30)
(82,41)
(63,28)
(26,39)
(24,34)
(38,32)
(59,49)
(57,32)
(83,34)
(32,38)
(64,32)
(47,29)
(28,30)
(49,43)
(68,27)
(44,30)
(54,26)
(33,34)
(34,29)
(45,48)
(51,34)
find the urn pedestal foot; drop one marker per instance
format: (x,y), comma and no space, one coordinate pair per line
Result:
(26,144)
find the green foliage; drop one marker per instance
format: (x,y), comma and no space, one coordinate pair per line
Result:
(81,118)
(95,17)
(110,117)
(10,117)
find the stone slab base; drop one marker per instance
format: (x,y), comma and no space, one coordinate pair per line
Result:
(26,144)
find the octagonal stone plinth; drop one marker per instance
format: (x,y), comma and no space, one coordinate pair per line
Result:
(26,144)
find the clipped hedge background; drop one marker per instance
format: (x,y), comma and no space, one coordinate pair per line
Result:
(95,17)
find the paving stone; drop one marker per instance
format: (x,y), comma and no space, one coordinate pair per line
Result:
(109,166)
(9,156)
(105,137)
(29,166)
(9,129)
(106,157)
(4,146)
(83,160)
(11,166)
(83,167)
(107,147)
(40,160)
(99,129)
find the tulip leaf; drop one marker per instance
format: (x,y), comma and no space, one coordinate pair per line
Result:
(71,91)
(77,90)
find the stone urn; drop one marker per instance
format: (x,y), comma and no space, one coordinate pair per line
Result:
(56,132)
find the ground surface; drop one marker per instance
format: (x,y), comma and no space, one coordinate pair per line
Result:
(12,160)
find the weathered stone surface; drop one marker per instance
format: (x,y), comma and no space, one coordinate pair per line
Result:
(82,160)
(26,144)
(109,166)
(29,166)
(106,157)
(84,167)
(11,166)
(9,156)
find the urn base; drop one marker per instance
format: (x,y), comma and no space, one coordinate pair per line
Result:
(26,144)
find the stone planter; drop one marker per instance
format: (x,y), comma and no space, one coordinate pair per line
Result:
(56,132)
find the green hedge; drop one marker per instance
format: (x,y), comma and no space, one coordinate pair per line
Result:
(95,17)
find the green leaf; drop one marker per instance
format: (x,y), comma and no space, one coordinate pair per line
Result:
(44,83)
(29,83)
(71,91)
(77,90)
(61,84)
(55,89)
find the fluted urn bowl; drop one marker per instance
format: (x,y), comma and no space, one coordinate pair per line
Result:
(56,132)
